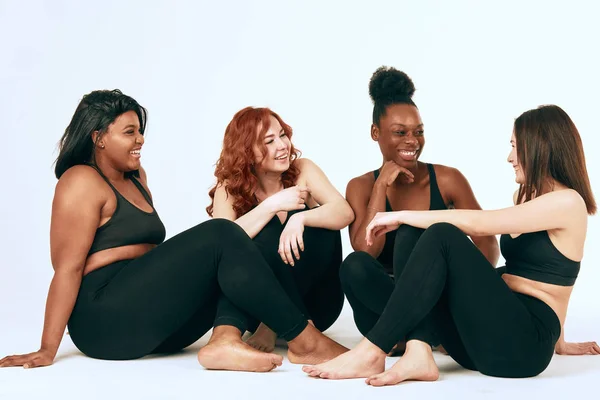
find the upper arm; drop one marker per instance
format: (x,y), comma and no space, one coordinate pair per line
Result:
(457,189)
(557,210)
(223,203)
(357,195)
(320,187)
(76,210)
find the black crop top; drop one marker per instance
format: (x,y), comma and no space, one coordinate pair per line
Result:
(129,224)
(436,202)
(534,256)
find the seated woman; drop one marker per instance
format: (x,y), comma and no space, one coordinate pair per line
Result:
(402,183)
(125,292)
(290,209)
(503,325)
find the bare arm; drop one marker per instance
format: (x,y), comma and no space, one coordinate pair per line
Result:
(334,212)
(551,211)
(366,202)
(75,216)
(252,222)
(461,195)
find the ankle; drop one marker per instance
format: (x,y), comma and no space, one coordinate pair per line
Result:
(419,346)
(225,332)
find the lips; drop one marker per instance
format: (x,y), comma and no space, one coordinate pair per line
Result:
(136,152)
(282,157)
(408,155)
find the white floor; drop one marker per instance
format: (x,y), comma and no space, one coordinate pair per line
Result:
(73,376)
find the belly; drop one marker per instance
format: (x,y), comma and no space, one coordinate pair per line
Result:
(557,297)
(109,256)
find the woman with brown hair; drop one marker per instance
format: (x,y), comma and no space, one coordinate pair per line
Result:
(289,208)
(505,325)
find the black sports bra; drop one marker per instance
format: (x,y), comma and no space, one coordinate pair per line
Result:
(129,224)
(534,256)
(436,202)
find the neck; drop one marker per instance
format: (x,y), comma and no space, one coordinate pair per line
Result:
(269,183)
(110,172)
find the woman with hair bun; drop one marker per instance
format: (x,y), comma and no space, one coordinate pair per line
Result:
(402,182)
(506,324)
(289,208)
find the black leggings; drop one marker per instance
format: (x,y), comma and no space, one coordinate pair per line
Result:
(166,299)
(481,322)
(366,283)
(313,282)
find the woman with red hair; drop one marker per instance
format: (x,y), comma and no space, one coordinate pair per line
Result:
(289,208)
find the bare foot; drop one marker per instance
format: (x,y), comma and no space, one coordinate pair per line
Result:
(227,351)
(312,347)
(263,339)
(417,364)
(364,360)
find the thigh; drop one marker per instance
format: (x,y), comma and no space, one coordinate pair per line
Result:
(495,326)
(151,297)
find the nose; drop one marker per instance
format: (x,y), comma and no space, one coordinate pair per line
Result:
(280,144)
(139,139)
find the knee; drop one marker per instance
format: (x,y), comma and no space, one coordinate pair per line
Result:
(223,228)
(443,229)
(354,267)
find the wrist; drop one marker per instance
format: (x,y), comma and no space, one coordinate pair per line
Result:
(51,350)
(270,206)
(299,218)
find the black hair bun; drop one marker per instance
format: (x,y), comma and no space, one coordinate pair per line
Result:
(388,83)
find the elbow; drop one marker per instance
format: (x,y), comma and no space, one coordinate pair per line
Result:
(348,215)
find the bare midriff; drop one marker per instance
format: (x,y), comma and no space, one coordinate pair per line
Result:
(103,258)
(555,296)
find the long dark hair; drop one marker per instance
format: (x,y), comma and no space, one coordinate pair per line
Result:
(549,146)
(96,111)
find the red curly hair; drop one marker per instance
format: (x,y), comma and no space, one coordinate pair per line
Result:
(236,162)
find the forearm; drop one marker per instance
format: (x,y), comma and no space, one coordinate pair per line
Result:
(465,220)
(255,220)
(376,204)
(59,306)
(334,216)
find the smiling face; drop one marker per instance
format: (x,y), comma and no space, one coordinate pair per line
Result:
(513,159)
(277,146)
(120,146)
(400,134)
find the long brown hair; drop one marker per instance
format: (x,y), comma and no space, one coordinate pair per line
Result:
(549,147)
(236,162)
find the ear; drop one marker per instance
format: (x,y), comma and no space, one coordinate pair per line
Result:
(95,136)
(375,132)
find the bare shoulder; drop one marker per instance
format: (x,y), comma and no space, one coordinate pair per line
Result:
(570,199)
(305,164)
(80,181)
(361,184)
(448,174)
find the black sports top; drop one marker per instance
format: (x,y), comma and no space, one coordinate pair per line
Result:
(534,256)
(436,202)
(129,224)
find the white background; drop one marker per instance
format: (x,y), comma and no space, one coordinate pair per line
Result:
(476,67)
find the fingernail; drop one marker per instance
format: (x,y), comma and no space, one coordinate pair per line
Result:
(26,366)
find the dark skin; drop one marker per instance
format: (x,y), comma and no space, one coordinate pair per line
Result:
(405,181)
(83,202)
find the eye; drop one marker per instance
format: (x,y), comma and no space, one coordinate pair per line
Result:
(420,132)
(283,135)
(401,133)
(130,132)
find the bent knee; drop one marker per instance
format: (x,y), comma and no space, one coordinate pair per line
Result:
(355,266)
